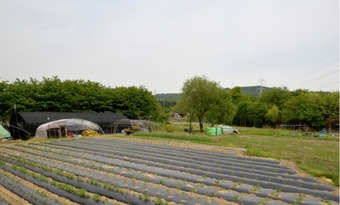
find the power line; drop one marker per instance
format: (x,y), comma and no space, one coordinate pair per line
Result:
(312,80)
(314,71)
(317,78)
(327,85)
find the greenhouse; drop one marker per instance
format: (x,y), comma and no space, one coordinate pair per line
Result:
(23,125)
(66,127)
(127,125)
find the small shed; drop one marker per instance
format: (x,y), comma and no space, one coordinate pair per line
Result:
(23,125)
(66,127)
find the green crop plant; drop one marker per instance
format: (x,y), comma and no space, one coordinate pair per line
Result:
(300,198)
(82,193)
(193,189)
(217,182)
(2,162)
(276,193)
(159,201)
(236,197)
(255,188)
(92,181)
(96,198)
(326,202)
(145,197)
(161,182)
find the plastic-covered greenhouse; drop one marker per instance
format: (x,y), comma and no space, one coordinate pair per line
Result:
(66,127)
(135,125)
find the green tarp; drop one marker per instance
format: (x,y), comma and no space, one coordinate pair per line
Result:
(4,133)
(214,131)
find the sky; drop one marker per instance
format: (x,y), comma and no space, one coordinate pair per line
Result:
(159,44)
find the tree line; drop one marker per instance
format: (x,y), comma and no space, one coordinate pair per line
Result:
(207,101)
(53,94)
(202,99)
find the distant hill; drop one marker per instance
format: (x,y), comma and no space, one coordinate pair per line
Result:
(249,90)
(168,96)
(253,90)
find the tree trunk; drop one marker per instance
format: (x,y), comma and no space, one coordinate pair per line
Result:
(201,126)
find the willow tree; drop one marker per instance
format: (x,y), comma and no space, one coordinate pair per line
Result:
(199,96)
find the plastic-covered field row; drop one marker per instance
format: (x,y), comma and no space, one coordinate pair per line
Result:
(185,182)
(202,169)
(193,199)
(209,191)
(207,167)
(236,164)
(97,182)
(271,189)
(265,184)
(61,189)
(199,155)
(24,192)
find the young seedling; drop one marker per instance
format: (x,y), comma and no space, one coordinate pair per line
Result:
(325,201)
(145,197)
(217,182)
(161,182)
(300,198)
(276,193)
(255,188)
(236,197)
(96,197)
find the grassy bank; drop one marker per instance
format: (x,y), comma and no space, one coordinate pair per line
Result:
(315,156)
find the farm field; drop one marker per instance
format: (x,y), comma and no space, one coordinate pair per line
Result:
(115,171)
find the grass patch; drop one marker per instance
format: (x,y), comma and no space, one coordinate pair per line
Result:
(315,156)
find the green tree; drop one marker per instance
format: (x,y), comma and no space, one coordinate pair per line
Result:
(199,96)
(276,96)
(241,117)
(7,100)
(330,108)
(273,114)
(135,103)
(237,95)
(224,111)
(256,114)
(304,108)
